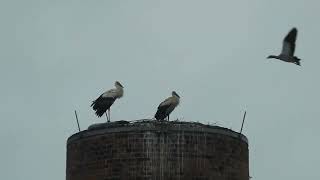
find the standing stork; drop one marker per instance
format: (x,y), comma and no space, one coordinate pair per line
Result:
(288,47)
(105,100)
(167,106)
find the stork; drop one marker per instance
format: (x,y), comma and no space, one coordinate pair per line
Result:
(167,106)
(105,100)
(288,47)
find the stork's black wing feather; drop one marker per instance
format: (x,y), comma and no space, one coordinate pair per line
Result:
(161,113)
(102,104)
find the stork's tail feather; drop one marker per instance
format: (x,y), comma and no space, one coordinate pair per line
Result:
(159,116)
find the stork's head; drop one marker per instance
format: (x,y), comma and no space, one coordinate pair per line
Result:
(117,84)
(175,94)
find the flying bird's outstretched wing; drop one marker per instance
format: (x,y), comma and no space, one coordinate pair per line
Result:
(289,42)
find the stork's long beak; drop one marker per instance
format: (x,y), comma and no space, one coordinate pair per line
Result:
(175,94)
(119,84)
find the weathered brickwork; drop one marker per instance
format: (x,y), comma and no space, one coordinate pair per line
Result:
(158,151)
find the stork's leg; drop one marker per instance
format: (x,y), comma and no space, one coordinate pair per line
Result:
(168,117)
(107,117)
(109,114)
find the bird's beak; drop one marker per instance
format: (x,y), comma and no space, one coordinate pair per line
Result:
(120,85)
(176,94)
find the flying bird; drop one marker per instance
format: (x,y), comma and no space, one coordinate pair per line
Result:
(105,100)
(167,106)
(288,47)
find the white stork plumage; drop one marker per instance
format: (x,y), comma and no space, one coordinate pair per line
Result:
(105,100)
(288,48)
(167,106)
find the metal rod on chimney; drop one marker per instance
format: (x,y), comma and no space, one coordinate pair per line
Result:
(244,117)
(75,112)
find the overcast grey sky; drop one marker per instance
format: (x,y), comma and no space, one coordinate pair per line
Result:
(58,56)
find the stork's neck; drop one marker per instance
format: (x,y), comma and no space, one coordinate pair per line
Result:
(120,91)
(176,97)
(119,87)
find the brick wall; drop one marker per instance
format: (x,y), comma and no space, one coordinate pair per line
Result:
(156,151)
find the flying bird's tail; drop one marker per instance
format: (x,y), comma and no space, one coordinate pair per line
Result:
(297,61)
(101,105)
